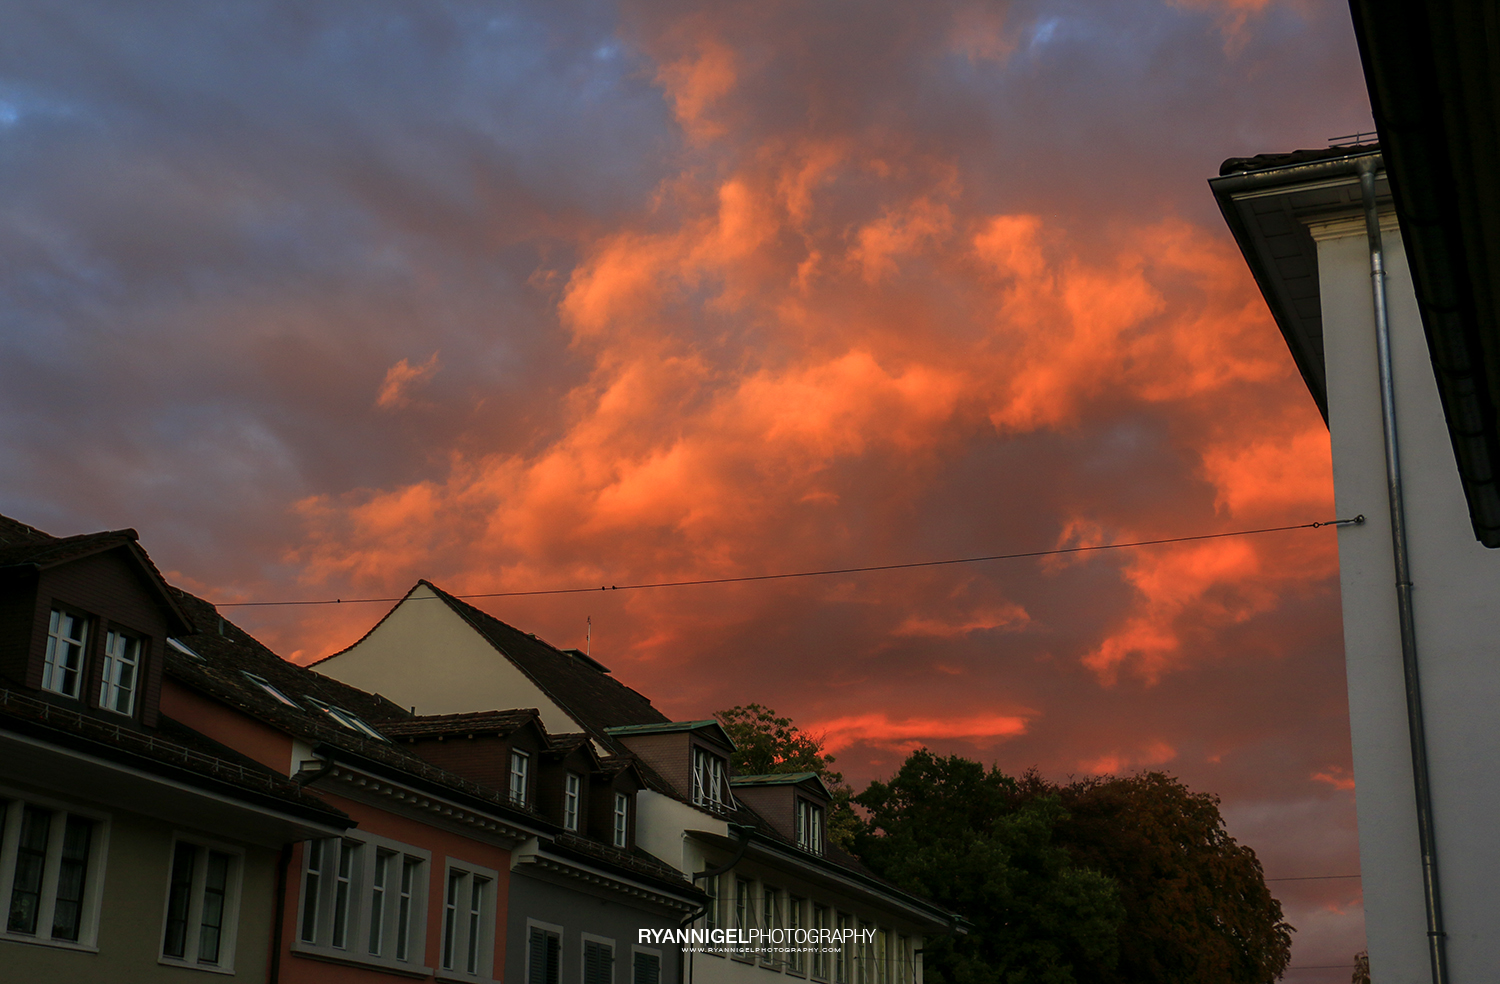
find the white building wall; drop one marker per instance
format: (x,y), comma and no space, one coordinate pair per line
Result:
(1457,613)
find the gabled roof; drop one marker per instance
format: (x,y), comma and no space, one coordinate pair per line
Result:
(668,727)
(779,779)
(580,687)
(27,546)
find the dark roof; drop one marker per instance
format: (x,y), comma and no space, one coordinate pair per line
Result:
(592,697)
(472,723)
(1431,70)
(774,779)
(1267,202)
(22,545)
(171,750)
(670,727)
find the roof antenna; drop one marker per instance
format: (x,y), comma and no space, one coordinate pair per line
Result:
(588,634)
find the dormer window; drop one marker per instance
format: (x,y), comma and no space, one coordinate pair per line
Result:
(67,636)
(572,797)
(117,684)
(622,819)
(520,769)
(809,826)
(708,779)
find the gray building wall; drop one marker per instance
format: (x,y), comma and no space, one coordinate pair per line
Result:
(131,913)
(578,912)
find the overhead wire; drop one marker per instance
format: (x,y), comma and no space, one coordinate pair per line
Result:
(1054,552)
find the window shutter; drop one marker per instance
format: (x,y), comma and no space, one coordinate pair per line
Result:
(647,969)
(597,961)
(554,959)
(539,957)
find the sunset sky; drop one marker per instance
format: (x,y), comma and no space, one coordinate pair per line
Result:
(324,298)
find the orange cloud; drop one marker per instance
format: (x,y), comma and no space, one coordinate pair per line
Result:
(1336,776)
(400,379)
(1144,757)
(881,729)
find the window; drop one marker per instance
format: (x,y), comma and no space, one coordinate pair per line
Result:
(820,955)
(122,657)
(794,906)
(622,820)
(882,956)
(809,826)
(711,911)
(51,862)
(544,955)
(598,961)
(905,969)
(742,912)
(181,647)
(645,967)
(708,779)
(770,902)
(520,764)
(864,963)
(67,637)
(469,921)
(343,717)
(202,905)
(363,901)
(841,959)
(572,794)
(265,685)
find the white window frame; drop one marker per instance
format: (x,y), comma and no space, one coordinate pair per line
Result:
(463,875)
(520,777)
(118,645)
(621,826)
(822,918)
(51,669)
(809,825)
(93,878)
(770,914)
(193,933)
(708,779)
(744,915)
(356,948)
(572,800)
(636,952)
(584,939)
(843,960)
(551,929)
(796,909)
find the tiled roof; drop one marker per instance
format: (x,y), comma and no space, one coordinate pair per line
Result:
(594,698)
(171,748)
(471,723)
(1260,162)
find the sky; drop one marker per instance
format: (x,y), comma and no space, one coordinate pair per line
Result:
(323,298)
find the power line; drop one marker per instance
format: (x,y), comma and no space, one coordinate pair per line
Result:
(1358,520)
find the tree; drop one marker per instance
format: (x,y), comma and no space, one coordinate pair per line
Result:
(1196,902)
(949,830)
(766,744)
(1101,881)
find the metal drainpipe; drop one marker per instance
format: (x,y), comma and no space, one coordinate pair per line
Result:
(1415,726)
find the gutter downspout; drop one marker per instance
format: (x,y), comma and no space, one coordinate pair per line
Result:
(1415,726)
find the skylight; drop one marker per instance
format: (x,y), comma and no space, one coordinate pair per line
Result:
(183,649)
(265,685)
(348,720)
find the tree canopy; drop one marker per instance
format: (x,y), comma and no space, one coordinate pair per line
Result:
(768,744)
(1100,881)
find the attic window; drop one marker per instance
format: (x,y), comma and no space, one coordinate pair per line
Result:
(183,649)
(809,826)
(348,720)
(709,772)
(265,685)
